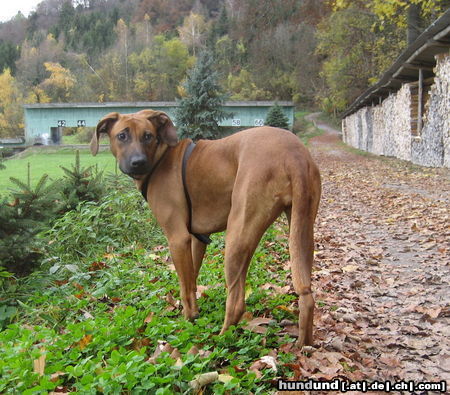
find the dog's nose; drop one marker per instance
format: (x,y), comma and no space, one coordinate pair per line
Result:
(138,162)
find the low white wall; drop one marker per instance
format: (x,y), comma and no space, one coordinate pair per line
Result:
(385,129)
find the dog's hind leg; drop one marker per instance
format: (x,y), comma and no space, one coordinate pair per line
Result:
(301,248)
(247,223)
(239,249)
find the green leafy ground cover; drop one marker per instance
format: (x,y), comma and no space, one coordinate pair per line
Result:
(104,305)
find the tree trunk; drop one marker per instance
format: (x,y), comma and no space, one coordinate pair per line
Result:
(414,23)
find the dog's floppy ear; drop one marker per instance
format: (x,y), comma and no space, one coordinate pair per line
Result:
(164,126)
(104,126)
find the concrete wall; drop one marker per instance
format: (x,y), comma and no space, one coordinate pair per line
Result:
(385,129)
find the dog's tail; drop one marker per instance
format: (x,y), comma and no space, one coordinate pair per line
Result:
(302,213)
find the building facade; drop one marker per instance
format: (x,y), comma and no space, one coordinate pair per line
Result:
(44,123)
(407,113)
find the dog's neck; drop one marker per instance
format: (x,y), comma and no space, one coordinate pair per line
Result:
(142,183)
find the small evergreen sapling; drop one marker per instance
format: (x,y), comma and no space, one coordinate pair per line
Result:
(21,220)
(80,184)
(276,118)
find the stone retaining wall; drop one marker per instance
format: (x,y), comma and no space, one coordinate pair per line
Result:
(385,129)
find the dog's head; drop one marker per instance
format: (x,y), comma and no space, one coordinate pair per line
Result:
(135,138)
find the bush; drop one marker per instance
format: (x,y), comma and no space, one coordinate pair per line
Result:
(84,135)
(70,131)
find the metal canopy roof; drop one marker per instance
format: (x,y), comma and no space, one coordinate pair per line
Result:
(419,55)
(154,104)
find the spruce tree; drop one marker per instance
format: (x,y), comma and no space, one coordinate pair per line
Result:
(222,24)
(199,113)
(276,118)
(80,184)
(30,212)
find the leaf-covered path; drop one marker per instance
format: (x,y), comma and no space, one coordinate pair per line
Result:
(382,268)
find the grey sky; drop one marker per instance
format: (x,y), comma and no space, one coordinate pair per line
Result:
(9,8)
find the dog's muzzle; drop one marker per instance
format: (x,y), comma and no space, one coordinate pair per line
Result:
(137,166)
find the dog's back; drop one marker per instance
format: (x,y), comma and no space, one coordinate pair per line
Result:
(268,160)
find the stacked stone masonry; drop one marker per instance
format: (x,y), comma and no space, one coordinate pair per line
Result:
(385,129)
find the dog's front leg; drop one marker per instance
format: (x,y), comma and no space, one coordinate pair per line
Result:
(180,249)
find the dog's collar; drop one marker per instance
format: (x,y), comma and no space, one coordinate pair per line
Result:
(187,153)
(144,185)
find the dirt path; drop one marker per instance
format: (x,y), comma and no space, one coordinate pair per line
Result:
(382,260)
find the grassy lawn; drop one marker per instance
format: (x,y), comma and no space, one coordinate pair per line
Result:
(48,161)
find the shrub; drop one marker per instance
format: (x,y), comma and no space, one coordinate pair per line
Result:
(85,134)
(69,131)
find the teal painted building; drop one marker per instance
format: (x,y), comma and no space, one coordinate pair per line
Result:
(44,122)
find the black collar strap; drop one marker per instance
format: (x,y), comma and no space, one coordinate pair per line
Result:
(187,153)
(144,185)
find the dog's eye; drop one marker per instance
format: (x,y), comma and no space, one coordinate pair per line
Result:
(122,136)
(147,136)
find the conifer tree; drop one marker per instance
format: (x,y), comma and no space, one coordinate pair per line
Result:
(276,118)
(199,113)
(21,220)
(80,184)
(222,23)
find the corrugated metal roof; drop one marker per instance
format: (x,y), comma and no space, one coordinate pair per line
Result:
(420,54)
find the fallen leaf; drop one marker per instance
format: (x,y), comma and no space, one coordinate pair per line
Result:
(39,364)
(247,316)
(149,318)
(84,341)
(193,351)
(162,346)
(55,376)
(255,325)
(225,378)
(97,266)
(270,361)
(175,354)
(349,268)
(203,379)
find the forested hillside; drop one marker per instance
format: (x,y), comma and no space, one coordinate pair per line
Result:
(315,52)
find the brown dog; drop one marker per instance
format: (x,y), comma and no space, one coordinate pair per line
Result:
(240,183)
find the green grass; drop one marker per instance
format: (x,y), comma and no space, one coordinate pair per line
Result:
(305,129)
(49,161)
(330,119)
